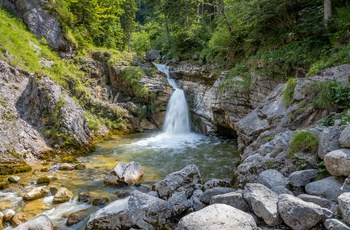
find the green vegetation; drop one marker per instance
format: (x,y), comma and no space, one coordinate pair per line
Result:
(43,180)
(343,117)
(13,168)
(303,141)
(288,92)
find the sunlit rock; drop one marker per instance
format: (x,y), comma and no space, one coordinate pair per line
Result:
(40,222)
(125,174)
(62,195)
(217,216)
(36,193)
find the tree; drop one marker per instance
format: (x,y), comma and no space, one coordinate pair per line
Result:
(327,10)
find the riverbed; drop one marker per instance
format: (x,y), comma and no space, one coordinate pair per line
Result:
(158,153)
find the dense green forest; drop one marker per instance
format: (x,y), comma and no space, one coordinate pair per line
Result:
(276,38)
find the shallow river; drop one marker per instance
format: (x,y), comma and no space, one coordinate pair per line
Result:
(158,154)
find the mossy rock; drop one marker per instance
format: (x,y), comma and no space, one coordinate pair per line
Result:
(43,180)
(7,169)
(69,159)
(4,184)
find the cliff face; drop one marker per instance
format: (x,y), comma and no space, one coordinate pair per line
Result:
(41,23)
(217,103)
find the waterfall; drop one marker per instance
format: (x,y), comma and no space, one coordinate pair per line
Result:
(177,119)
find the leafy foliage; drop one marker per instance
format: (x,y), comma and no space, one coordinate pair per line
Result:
(288,92)
(303,141)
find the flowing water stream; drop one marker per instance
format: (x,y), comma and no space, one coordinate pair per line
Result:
(159,154)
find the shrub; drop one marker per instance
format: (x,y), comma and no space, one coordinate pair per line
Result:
(288,92)
(303,141)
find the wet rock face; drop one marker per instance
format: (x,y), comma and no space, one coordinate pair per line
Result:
(40,22)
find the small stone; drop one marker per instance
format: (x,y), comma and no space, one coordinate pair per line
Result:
(9,214)
(62,195)
(36,193)
(19,219)
(13,179)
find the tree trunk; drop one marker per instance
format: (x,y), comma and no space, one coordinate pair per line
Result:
(222,11)
(327,10)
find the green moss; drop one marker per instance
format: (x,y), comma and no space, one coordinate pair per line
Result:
(4,184)
(13,168)
(68,159)
(288,92)
(303,141)
(43,180)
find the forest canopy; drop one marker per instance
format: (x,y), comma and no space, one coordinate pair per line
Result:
(278,38)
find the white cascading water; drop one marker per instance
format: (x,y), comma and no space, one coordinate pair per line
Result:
(177,119)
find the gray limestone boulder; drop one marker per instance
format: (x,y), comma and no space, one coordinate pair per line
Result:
(263,202)
(195,201)
(178,203)
(334,224)
(216,183)
(302,178)
(217,216)
(152,55)
(125,174)
(209,193)
(337,162)
(345,187)
(148,212)
(36,193)
(328,140)
(272,178)
(344,206)
(298,214)
(114,217)
(344,138)
(234,199)
(178,181)
(39,222)
(324,203)
(328,187)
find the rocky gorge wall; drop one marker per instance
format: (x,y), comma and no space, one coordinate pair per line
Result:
(218,102)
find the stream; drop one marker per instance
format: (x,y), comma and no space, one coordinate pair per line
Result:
(158,153)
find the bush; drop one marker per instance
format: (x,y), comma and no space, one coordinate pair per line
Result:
(303,141)
(288,92)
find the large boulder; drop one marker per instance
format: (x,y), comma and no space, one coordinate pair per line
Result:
(334,224)
(39,222)
(113,217)
(303,177)
(344,206)
(328,140)
(324,203)
(263,202)
(234,199)
(327,187)
(217,216)
(148,212)
(36,193)
(298,214)
(344,138)
(178,181)
(337,162)
(125,174)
